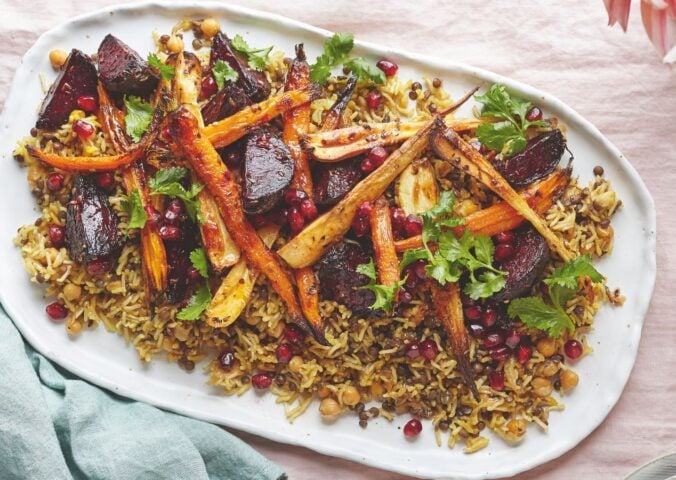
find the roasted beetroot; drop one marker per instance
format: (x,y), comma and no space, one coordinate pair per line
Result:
(91,223)
(254,83)
(525,266)
(268,169)
(122,70)
(538,160)
(339,279)
(229,100)
(334,180)
(77,78)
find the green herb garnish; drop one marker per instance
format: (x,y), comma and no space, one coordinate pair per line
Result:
(198,258)
(138,117)
(364,70)
(562,285)
(223,72)
(257,57)
(508,135)
(166,182)
(336,51)
(134,207)
(197,304)
(384,295)
(166,71)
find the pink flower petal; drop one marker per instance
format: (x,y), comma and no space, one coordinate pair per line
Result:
(659,21)
(618,11)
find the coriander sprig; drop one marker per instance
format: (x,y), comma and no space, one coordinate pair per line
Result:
(336,52)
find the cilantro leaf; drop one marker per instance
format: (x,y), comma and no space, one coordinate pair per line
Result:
(384,294)
(166,182)
(138,117)
(365,71)
(442,270)
(257,57)
(134,207)
(166,71)
(336,50)
(568,273)
(535,313)
(198,258)
(368,269)
(223,72)
(486,285)
(197,304)
(166,176)
(411,256)
(502,137)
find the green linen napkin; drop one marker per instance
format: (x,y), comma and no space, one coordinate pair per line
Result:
(55,426)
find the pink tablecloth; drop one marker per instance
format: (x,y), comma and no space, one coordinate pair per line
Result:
(614,80)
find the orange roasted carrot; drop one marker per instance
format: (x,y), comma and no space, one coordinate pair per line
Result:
(448,309)
(501,216)
(234,127)
(387,262)
(202,156)
(87,164)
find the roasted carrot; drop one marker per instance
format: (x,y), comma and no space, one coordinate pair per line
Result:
(228,130)
(87,164)
(448,309)
(387,263)
(501,216)
(453,149)
(335,113)
(111,119)
(200,153)
(222,251)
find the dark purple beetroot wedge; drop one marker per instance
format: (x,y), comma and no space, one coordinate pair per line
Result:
(228,101)
(122,70)
(268,169)
(254,83)
(538,160)
(77,78)
(339,279)
(334,180)
(91,223)
(525,266)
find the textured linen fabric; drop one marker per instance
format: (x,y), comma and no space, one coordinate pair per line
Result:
(613,79)
(54,426)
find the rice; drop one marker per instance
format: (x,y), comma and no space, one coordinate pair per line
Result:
(363,353)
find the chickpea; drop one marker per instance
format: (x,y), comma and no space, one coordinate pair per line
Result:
(549,368)
(568,379)
(467,207)
(329,408)
(210,27)
(324,392)
(296,363)
(542,387)
(546,346)
(516,427)
(351,396)
(57,57)
(72,292)
(181,332)
(74,327)
(175,44)
(377,389)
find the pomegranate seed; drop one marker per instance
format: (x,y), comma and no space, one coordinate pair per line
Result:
(54,182)
(278,216)
(261,381)
(294,196)
(496,380)
(99,266)
(154,217)
(377,155)
(476,330)
(429,349)
(83,129)
(473,313)
(308,209)
(294,334)
(360,226)
(56,311)
(499,353)
(505,237)
(284,353)
(573,349)
(170,232)
(295,219)
(398,217)
(524,353)
(489,317)
(419,269)
(57,235)
(504,251)
(364,209)
(366,165)
(194,274)
(493,339)
(534,114)
(413,225)
(413,350)
(209,87)
(171,217)
(105,180)
(512,339)
(176,205)
(405,296)
(412,428)
(226,360)
(373,99)
(87,103)
(389,68)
